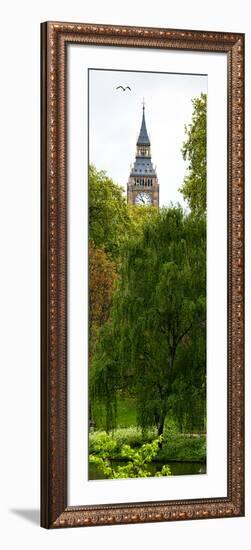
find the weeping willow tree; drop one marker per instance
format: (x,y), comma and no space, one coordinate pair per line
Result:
(187,402)
(160,300)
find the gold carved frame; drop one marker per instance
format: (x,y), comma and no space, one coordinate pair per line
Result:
(54,40)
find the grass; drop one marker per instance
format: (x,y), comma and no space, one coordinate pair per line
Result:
(126,412)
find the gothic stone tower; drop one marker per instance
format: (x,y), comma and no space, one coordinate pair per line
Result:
(142,186)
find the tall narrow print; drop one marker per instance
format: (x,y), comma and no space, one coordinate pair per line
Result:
(147,274)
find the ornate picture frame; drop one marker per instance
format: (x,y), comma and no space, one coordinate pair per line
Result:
(55,39)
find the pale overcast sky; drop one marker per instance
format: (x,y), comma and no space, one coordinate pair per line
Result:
(115,119)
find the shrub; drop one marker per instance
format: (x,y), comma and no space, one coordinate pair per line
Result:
(175,446)
(122,436)
(137,460)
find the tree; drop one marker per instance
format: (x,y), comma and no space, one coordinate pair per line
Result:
(102,279)
(109,219)
(187,403)
(159,301)
(194,152)
(113,222)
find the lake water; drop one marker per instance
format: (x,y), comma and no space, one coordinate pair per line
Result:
(177,468)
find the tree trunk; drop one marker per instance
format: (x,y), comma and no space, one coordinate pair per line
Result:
(161,428)
(161,425)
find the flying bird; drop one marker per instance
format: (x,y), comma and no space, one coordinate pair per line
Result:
(124,89)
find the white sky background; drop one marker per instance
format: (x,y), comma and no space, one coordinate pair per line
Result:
(115,119)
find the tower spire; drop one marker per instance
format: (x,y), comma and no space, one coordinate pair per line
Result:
(143,138)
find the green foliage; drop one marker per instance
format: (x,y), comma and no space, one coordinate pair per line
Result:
(158,310)
(183,448)
(187,402)
(103,379)
(140,216)
(109,219)
(137,460)
(194,151)
(132,436)
(118,454)
(148,328)
(165,471)
(175,446)
(112,222)
(102,280)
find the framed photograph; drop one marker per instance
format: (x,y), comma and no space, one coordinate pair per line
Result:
(142,301)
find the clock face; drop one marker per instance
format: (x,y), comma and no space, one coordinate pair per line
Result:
(143,199)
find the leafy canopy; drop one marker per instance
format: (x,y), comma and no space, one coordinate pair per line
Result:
(160,300)
(109,219)
(194,152)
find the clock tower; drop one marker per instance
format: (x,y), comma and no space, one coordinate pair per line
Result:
(142,186)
